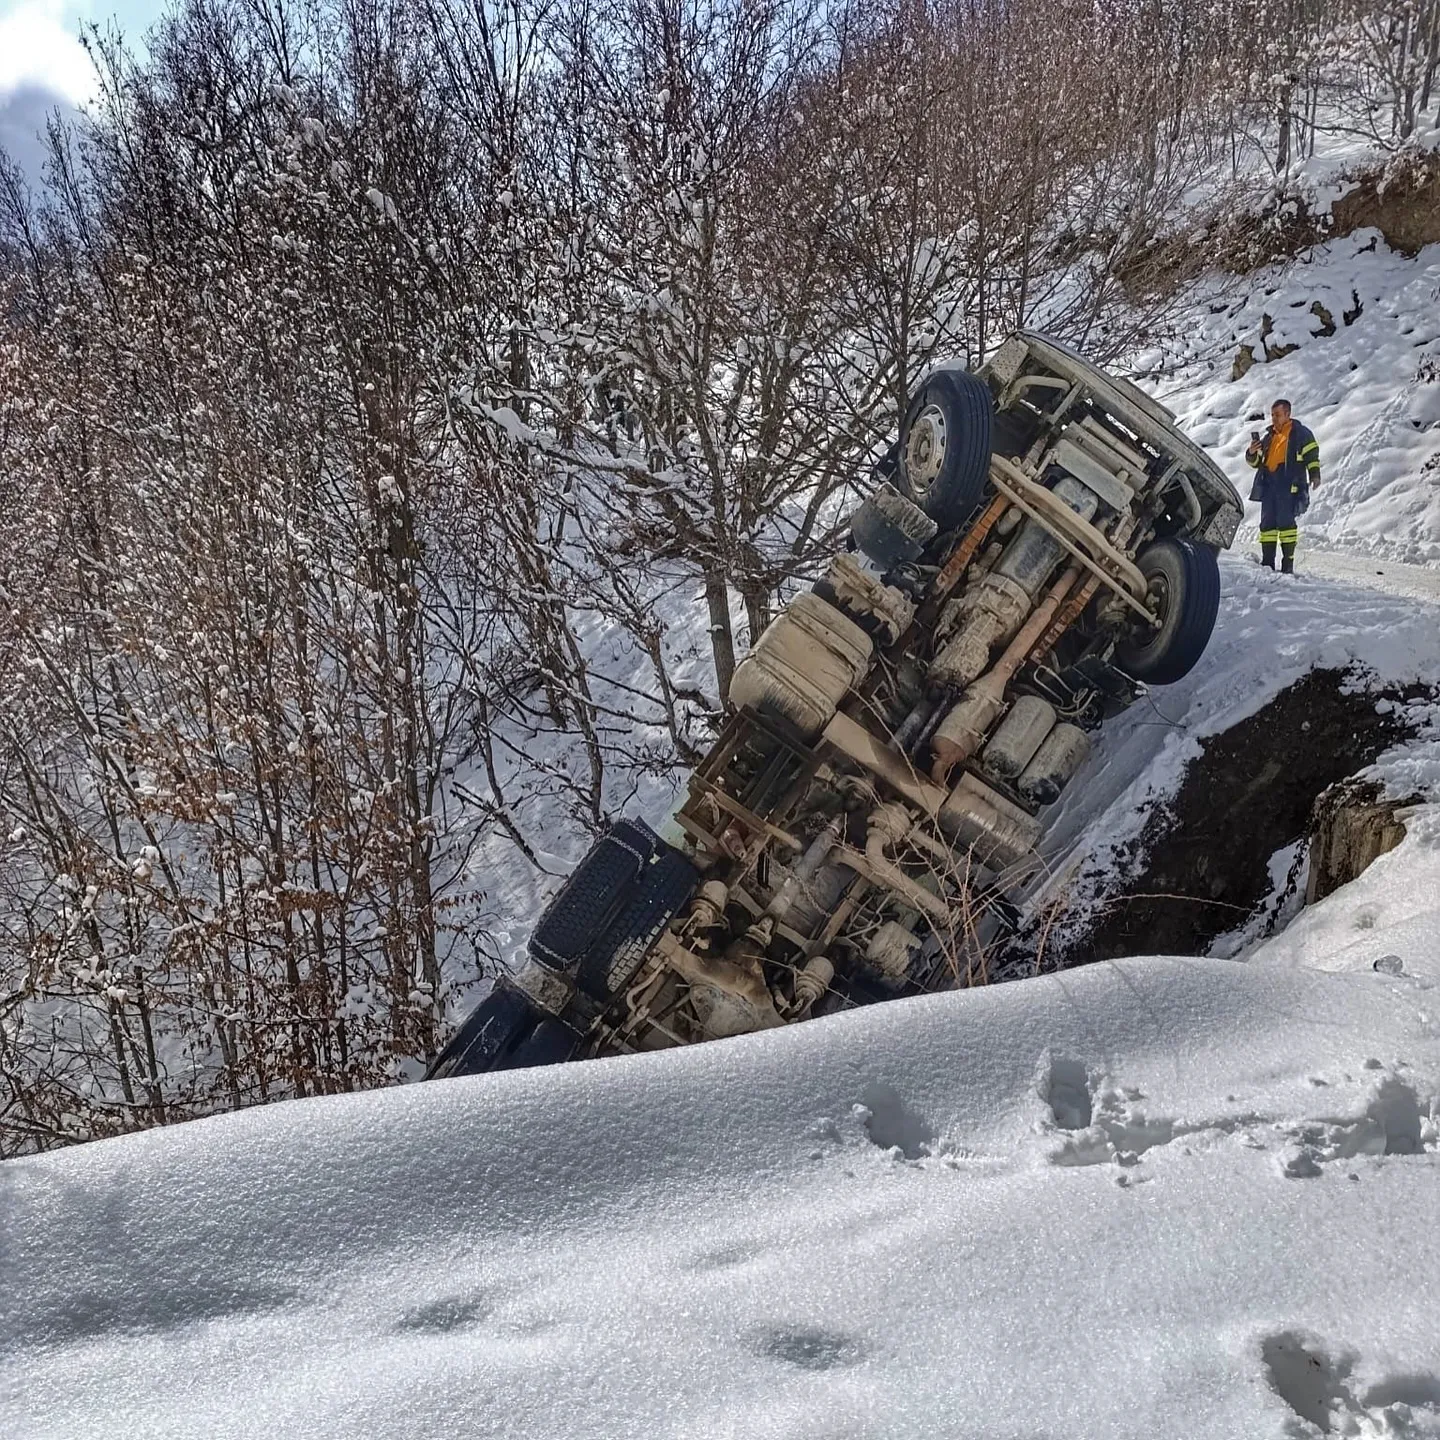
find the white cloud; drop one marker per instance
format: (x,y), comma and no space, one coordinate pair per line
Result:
(39,46)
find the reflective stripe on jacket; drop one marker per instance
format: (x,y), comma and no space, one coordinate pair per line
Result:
(1302,460)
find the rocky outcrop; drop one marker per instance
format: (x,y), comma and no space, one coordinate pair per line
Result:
(1352,826)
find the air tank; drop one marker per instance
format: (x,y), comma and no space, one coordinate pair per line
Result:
(1018,736)
(1061,754)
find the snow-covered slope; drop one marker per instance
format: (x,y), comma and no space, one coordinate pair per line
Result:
(1370,390)
(1380,621)
(1152,1197)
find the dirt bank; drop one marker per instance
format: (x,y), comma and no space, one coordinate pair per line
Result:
(1201,865)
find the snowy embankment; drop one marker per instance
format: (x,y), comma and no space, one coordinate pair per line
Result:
(1151,1197)
(1273,629)
(1350,334)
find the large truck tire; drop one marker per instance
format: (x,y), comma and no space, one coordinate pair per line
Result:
(945,442)
(665,888)
(593,935)
(592,895)
(1184,578)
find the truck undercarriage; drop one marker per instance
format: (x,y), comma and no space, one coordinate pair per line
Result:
(1042,546)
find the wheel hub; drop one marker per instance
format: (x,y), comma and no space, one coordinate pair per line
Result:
(925,449)
(1157,598)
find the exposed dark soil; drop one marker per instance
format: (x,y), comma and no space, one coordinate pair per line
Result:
(1203,862)
(1401,202)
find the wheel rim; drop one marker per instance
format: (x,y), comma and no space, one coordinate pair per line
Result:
(925,450)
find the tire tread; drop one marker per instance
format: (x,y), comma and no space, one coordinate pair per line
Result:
(1200,605)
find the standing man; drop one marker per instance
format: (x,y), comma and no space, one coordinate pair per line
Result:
(1286,461)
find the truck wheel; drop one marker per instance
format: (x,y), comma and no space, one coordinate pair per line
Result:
(1184,580)
(945,446)
(592,895)
(665,887)
(492,1032)
(890,529)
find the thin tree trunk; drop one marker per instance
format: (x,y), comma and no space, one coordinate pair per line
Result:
(722,635)
(1432,54)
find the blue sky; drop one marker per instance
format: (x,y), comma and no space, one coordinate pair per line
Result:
(42,65)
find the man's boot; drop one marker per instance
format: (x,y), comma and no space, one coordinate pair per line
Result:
(1287,559)
(1267,554)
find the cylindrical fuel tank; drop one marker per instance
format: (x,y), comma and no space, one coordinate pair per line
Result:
(999,832)
(1018,736)
(810,655)
(1063,752)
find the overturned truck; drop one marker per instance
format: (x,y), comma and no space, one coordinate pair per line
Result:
(1041,546)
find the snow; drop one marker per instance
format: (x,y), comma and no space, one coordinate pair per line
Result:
(1380,620)
(1147,1197)
(1091,1203)
(1370,391)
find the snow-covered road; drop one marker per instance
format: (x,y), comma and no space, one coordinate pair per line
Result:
(1390,577)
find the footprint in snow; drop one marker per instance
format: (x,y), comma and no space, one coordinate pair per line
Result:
(1066,1087)
(440,1317)
(1105,1124)
(891,1124)
(1395,1122)
(807,1347)
(1317,1383)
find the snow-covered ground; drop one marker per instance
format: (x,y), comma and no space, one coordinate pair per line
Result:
(1150,1197)
(1153,1197)
(1370,391)
(1373,572)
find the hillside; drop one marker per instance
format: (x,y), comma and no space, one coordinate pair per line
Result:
(1145,1197)
(408,418)
(411,416)
(1350,333)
